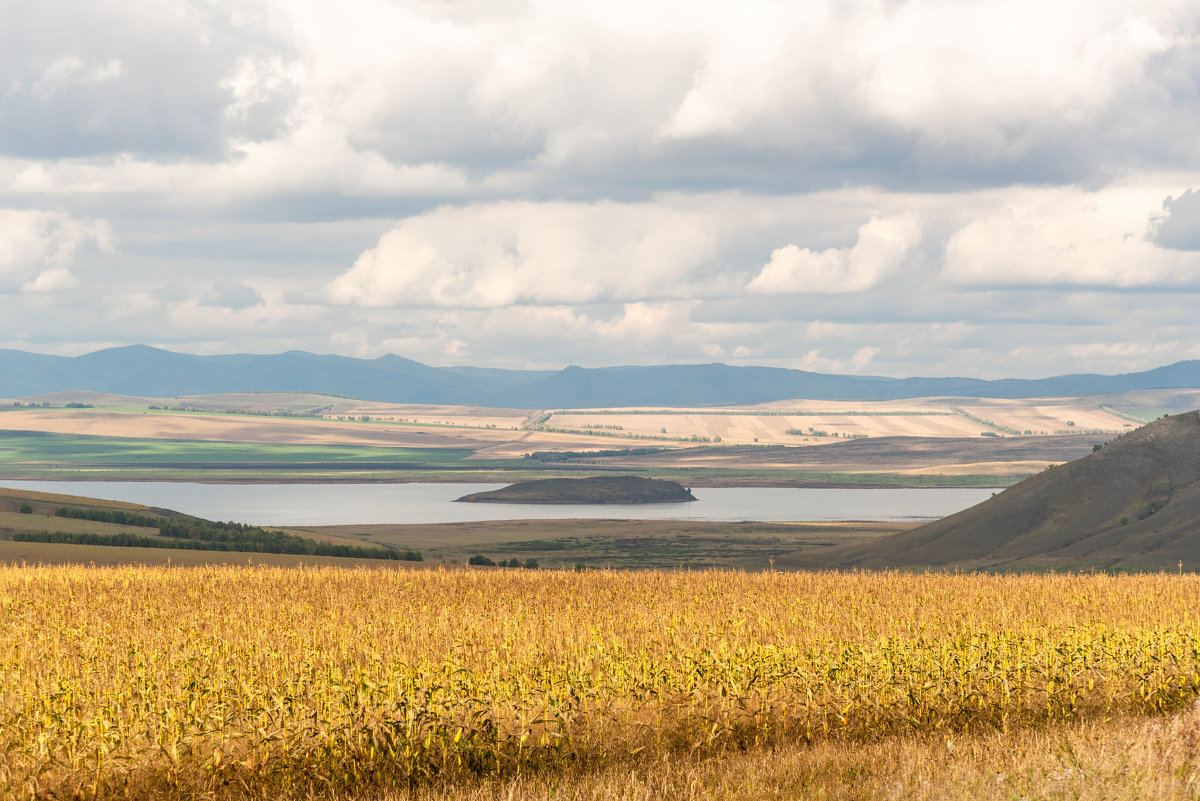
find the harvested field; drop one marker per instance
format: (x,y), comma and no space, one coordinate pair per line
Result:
(270,430)
(819,422)
(230,428)
(459,416)
(744,426)
(916,455)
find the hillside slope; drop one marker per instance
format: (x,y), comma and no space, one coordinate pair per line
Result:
(1134,504)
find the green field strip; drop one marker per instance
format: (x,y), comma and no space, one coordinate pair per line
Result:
(34,447)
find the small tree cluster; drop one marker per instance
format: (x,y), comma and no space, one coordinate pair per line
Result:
(483,561)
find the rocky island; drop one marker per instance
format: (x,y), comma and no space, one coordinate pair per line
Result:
(598,489)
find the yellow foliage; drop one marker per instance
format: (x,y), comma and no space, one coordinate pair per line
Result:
(224,681)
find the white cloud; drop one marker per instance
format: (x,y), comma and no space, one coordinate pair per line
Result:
(647,321)
(71,71)
(1069,236)
(501,254)
(883,243)
(314,160)
(573,180)
(994,78)
(233,295)
(54,280)
(34,242)
(255,81)
(384,97)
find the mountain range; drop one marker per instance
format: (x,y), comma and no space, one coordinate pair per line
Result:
(153,372)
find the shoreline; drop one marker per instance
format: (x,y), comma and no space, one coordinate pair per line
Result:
(711,482)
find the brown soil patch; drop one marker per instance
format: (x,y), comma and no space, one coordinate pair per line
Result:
(892,454)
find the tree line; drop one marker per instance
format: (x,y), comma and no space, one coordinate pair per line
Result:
(199,534)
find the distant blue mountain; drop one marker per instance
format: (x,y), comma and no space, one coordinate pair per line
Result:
(152,372)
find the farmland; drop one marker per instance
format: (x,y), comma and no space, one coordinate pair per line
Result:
(34,452)
(282,436)
(261,681)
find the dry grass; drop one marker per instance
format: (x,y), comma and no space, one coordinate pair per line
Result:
(1153,759)
(265,682)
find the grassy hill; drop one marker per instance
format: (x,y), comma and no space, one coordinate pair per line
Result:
(45,526)
(1132,505)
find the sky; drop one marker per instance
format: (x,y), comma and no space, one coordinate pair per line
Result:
(1001,188)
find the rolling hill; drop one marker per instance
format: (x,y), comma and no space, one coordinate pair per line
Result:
(153,372)
(1132,505)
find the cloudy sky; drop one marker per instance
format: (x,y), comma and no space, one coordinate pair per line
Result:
(1007,188)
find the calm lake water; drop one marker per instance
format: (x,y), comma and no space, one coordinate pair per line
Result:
(331,504)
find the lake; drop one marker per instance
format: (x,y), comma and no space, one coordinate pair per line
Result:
(331,504)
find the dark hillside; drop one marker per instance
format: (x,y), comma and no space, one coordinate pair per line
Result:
(1134,504)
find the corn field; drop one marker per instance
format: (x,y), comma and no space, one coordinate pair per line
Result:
(272,682)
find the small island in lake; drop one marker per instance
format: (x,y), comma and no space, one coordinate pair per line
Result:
(598,489)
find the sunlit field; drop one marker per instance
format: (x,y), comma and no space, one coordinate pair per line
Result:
(326,682)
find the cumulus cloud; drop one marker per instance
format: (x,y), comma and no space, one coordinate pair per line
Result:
(232,295)
(44,243)
(71,71)
(1035,88)
(144,80)
(54,280)
(883,243)
(264,92)
(495,255)
(1178,227)
(1069,237)
(548,183)
(554,98)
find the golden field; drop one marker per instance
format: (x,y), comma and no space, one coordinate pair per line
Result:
(331,682)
